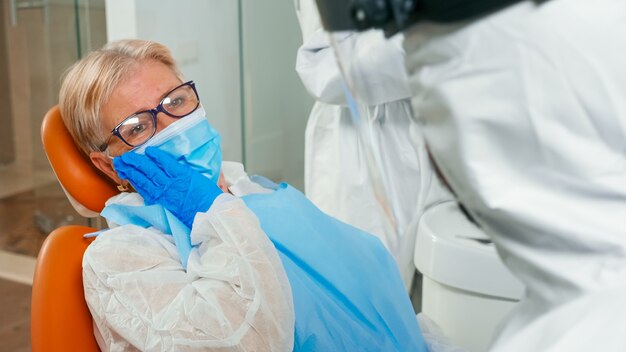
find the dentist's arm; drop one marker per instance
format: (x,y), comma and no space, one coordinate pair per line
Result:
(376,61)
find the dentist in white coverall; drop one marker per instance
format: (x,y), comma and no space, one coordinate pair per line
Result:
(336,174)
(524,112)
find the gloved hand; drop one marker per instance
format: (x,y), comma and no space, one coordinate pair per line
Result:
(160,179)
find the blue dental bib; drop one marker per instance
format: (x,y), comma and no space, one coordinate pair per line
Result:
(347,290)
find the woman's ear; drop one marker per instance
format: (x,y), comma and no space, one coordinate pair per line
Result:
(221,183)
(105,164)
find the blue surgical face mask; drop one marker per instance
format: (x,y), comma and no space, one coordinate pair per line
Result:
(192,141)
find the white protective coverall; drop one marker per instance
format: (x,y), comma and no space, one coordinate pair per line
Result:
(234,296)
(524,112)
(336,175)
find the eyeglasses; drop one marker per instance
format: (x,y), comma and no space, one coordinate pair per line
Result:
(139,127)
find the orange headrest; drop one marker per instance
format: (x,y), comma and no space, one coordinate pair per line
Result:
(86,187)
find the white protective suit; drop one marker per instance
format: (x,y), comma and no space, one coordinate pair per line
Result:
(524,112)
(234,296)
(336,174)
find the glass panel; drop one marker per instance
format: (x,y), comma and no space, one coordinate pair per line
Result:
(41,42)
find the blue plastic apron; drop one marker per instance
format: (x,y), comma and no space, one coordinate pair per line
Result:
(347,290)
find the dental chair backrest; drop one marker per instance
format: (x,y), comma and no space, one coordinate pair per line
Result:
(60,318)
(85,186)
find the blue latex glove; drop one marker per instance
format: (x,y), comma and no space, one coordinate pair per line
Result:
(160,179)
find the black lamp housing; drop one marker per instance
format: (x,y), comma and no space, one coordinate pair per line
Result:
(393,16)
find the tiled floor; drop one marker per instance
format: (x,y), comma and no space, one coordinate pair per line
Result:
(23,176)
(15,317)
(27,215)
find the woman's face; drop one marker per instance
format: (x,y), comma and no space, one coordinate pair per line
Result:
(143,89)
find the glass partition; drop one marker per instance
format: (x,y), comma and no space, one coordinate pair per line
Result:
(275,104)
(39,41)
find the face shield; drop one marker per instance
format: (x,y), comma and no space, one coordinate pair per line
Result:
(393,16)
(360,84)
(364,84)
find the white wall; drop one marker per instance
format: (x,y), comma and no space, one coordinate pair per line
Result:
(241,53)
(276,104)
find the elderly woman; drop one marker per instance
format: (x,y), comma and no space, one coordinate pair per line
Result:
(188,264)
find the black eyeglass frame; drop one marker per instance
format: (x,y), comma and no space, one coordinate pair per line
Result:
(159,108)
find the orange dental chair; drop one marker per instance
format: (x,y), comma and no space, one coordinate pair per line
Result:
(60,319)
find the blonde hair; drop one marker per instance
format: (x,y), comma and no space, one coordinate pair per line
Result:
(89,83)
